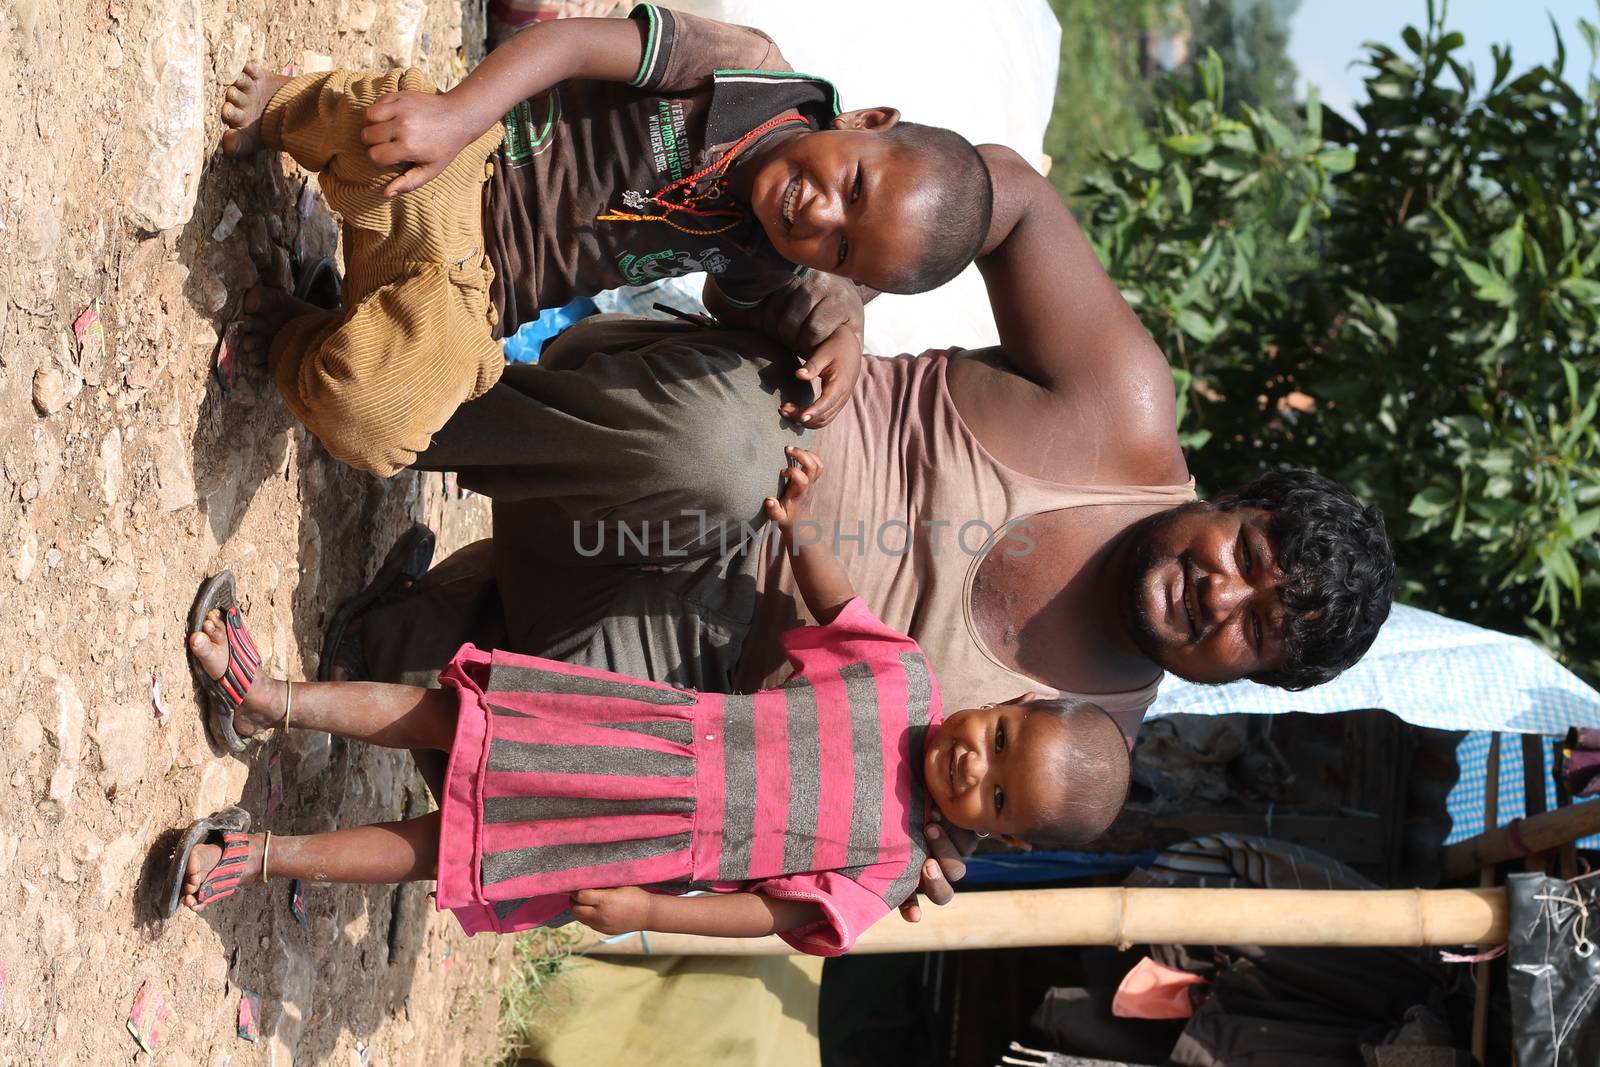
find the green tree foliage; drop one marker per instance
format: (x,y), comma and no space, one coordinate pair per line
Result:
(1252,39)
(1103,98)
(1438,349)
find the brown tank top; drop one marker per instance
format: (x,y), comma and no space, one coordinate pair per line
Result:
(913,503)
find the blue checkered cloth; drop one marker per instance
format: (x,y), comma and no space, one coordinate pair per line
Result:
(1466,800)
(1430,671)
(1434,671)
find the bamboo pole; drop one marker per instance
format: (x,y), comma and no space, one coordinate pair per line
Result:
(1538,834)
(1122,917)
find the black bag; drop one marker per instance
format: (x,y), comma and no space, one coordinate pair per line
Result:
(1555,971)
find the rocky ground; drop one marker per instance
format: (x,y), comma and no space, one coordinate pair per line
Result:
(127,474)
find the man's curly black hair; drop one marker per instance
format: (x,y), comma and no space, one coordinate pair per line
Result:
(1340,569)
(962,200)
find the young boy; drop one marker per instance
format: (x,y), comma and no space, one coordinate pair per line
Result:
(633,150)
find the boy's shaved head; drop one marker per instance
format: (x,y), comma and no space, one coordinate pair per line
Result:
(957,197)
(1093,767)
(894,206)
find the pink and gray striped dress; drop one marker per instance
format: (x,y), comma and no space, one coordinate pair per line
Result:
(565,778)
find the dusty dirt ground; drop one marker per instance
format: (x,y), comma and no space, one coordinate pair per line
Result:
(127,474)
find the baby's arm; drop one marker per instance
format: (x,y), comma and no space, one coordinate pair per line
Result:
(821,314)
(817,571)
(619,911)
(428,129)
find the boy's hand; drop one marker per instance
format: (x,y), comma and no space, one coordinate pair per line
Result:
(812,309)
(423,129)
(788,510)
(823,313)
(612,911)
(836,364)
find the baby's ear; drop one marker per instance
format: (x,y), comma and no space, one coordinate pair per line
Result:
(1016,842)
(871,119)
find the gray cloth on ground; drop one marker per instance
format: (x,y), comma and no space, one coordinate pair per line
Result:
(628,471)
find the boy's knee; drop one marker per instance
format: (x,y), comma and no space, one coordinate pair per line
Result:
(371,445)
(412,79)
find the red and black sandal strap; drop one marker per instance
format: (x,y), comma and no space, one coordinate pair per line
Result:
(243,660)
(223,881)
(230,827)
(226,693)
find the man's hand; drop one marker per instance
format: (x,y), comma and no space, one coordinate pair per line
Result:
(946,864)
(424,129)
(613,911)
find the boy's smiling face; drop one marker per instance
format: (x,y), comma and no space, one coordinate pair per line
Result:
(844,201)
(997,770)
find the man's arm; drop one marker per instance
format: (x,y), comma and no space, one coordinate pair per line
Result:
(429,129)
(1064,326)
(1057,310)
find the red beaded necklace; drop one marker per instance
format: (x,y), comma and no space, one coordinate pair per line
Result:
(690,198)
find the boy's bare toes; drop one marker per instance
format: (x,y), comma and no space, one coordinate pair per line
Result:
(245,101)
(265,310)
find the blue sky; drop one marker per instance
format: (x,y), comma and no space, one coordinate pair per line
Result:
(1325,35)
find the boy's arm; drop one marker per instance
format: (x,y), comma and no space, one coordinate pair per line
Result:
(818,573)
(821,314)
(620,911)
(428,130)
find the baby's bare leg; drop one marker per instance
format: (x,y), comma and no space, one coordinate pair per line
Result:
(381,854)
(244,102)
(394,716)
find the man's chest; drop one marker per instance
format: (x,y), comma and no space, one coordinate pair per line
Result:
(1048,613)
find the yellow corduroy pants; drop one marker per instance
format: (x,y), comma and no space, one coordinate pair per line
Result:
(413,342)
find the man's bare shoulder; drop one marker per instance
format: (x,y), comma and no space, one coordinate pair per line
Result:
(1115,427)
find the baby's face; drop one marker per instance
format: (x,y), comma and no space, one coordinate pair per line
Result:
(997,770)
(843,202)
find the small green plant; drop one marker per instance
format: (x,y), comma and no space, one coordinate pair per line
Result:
(539,959)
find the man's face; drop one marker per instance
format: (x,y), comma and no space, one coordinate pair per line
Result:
(1205,596)
(843,202)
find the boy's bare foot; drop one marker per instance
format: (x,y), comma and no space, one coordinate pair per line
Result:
(243,105)
(263,704)
(204,859)
(265,311)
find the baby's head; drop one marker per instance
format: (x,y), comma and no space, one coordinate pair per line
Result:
(1051,771)
(893,205)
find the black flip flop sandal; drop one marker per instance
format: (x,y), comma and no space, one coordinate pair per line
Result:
(408,559)
(244,661)
(231,827)
(320,285)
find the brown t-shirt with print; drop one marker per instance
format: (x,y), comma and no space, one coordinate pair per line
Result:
(589,148)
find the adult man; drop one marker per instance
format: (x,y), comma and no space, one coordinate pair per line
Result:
(1024,513)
